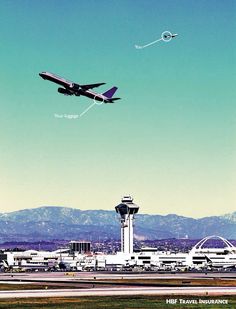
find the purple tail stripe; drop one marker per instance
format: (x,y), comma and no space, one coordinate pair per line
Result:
(109,93)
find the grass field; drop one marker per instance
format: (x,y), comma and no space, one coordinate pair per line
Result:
(15,287)
(170,282)
(108,302)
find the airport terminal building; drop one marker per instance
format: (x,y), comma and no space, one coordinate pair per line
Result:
(79,256)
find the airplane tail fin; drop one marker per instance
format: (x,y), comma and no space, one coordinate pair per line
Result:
(109,93)
(208,259)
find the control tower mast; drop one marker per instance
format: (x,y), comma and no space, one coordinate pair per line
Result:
(127,209)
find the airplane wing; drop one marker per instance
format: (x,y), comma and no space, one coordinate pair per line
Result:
(91,86)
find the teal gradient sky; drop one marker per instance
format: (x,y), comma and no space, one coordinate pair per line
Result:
(170,142)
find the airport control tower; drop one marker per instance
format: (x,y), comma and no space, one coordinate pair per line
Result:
(127,209)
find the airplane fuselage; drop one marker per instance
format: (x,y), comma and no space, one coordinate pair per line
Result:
(93,95)
(71,88)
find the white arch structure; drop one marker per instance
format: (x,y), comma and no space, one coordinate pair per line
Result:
(227,243)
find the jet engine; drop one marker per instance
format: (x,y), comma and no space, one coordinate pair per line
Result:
(64,91)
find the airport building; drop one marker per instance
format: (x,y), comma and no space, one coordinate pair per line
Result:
(79,256)
(80,246)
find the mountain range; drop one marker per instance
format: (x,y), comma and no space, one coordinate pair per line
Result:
(54,222)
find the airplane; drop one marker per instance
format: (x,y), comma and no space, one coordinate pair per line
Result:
(220,262)
(169,35)
(71,88)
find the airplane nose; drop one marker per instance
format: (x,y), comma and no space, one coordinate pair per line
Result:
(42,75)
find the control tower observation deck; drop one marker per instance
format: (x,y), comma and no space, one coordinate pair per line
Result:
(127,209)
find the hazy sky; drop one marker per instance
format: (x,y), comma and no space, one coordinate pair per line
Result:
(170,142)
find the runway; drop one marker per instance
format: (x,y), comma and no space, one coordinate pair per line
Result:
(111,284)
(74,276)
(196,291)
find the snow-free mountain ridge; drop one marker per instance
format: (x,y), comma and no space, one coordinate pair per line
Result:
(54,222)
